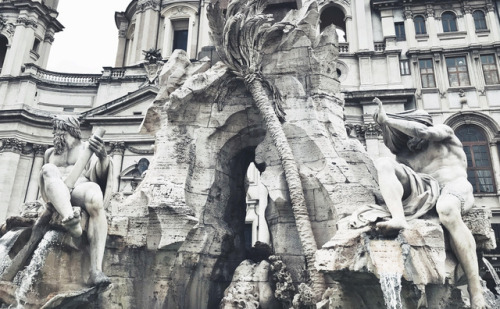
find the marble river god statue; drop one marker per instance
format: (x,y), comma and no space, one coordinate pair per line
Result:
(69,178)
(430,170)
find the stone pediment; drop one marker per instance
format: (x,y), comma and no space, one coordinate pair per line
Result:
(125,105)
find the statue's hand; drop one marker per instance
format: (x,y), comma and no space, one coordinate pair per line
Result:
(380,116)
(96,144)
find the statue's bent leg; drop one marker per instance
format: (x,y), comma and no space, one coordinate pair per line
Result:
(449,207)
(394,186)
(90,197)
(55,191)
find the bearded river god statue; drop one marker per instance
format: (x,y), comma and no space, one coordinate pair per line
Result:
(75,175)
(423,186)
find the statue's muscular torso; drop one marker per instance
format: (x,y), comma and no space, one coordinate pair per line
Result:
(64,161)
(445,160)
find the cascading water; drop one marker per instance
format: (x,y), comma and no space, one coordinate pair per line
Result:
(493,274)
(6,242)
(25,278)
(391,287)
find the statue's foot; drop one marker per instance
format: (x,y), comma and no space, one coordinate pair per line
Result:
(98,278)
(478,302)
(72,225)
(392,226)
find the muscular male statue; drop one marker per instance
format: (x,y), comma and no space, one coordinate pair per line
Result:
(87,191)
(430,170)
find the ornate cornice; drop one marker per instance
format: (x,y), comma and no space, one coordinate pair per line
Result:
(144,5)
(27,22)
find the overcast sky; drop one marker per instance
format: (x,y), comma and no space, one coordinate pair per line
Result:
(90,37)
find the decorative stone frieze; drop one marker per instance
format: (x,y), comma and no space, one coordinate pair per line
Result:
(27,22)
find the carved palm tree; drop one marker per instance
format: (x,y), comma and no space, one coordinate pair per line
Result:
(240,37)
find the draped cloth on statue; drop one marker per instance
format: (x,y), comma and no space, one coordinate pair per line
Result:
(424,194)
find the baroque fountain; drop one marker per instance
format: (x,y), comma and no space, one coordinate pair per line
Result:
(179,241)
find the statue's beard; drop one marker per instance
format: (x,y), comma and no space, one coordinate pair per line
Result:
(59,142)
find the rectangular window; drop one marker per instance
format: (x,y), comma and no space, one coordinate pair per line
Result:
(400,31)
(404,67)
(36,45)
(427,73)
(458,75)
(490,69)
(180,34)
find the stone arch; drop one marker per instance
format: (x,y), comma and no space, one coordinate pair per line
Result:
(488,124)
(179,15)
(336,14)
(204,273)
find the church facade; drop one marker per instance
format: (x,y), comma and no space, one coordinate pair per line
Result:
(440,56)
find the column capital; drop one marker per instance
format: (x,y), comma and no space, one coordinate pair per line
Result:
(49,37)
(429,11)
(372,130)
(27,22)
(117,148)
(12,145)
(40,149)
(144,5)
(408,13)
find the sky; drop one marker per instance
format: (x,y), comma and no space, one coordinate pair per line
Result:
(90,37)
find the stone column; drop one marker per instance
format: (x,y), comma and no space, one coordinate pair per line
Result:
(168,37)
(122,43)
(149,11)
(118,149)
(363,22)
(45,49)
(21,46)
(432,26)
(203,40)
(191,28)
(388,30)
(495,164)
(9,159)
(135,48)
(33,185)
(469,24)
(350,33)
(20,181)
(494,22)
(410,28)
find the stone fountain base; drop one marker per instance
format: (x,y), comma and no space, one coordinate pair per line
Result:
(356,261)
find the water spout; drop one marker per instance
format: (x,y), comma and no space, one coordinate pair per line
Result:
(391,287)
(6,242)
(493,273)
(25,279)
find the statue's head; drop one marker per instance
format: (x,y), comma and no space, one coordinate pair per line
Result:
(63,124)
(398,141)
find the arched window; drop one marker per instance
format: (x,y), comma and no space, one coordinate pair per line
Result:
(3,49)
(419,22)
(334,15)
(449,21)
(479,169)
(479,20)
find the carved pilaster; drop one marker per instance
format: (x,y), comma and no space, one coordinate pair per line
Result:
(144,5)
(12,145)
(490,7)
(27,22)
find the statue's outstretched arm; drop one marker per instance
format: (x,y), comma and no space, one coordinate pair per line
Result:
(412,128)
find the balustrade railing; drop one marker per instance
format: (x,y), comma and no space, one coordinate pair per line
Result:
(66,78)
(379,46)
(344,47)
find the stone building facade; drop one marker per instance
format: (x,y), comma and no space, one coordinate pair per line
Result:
(440,56)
